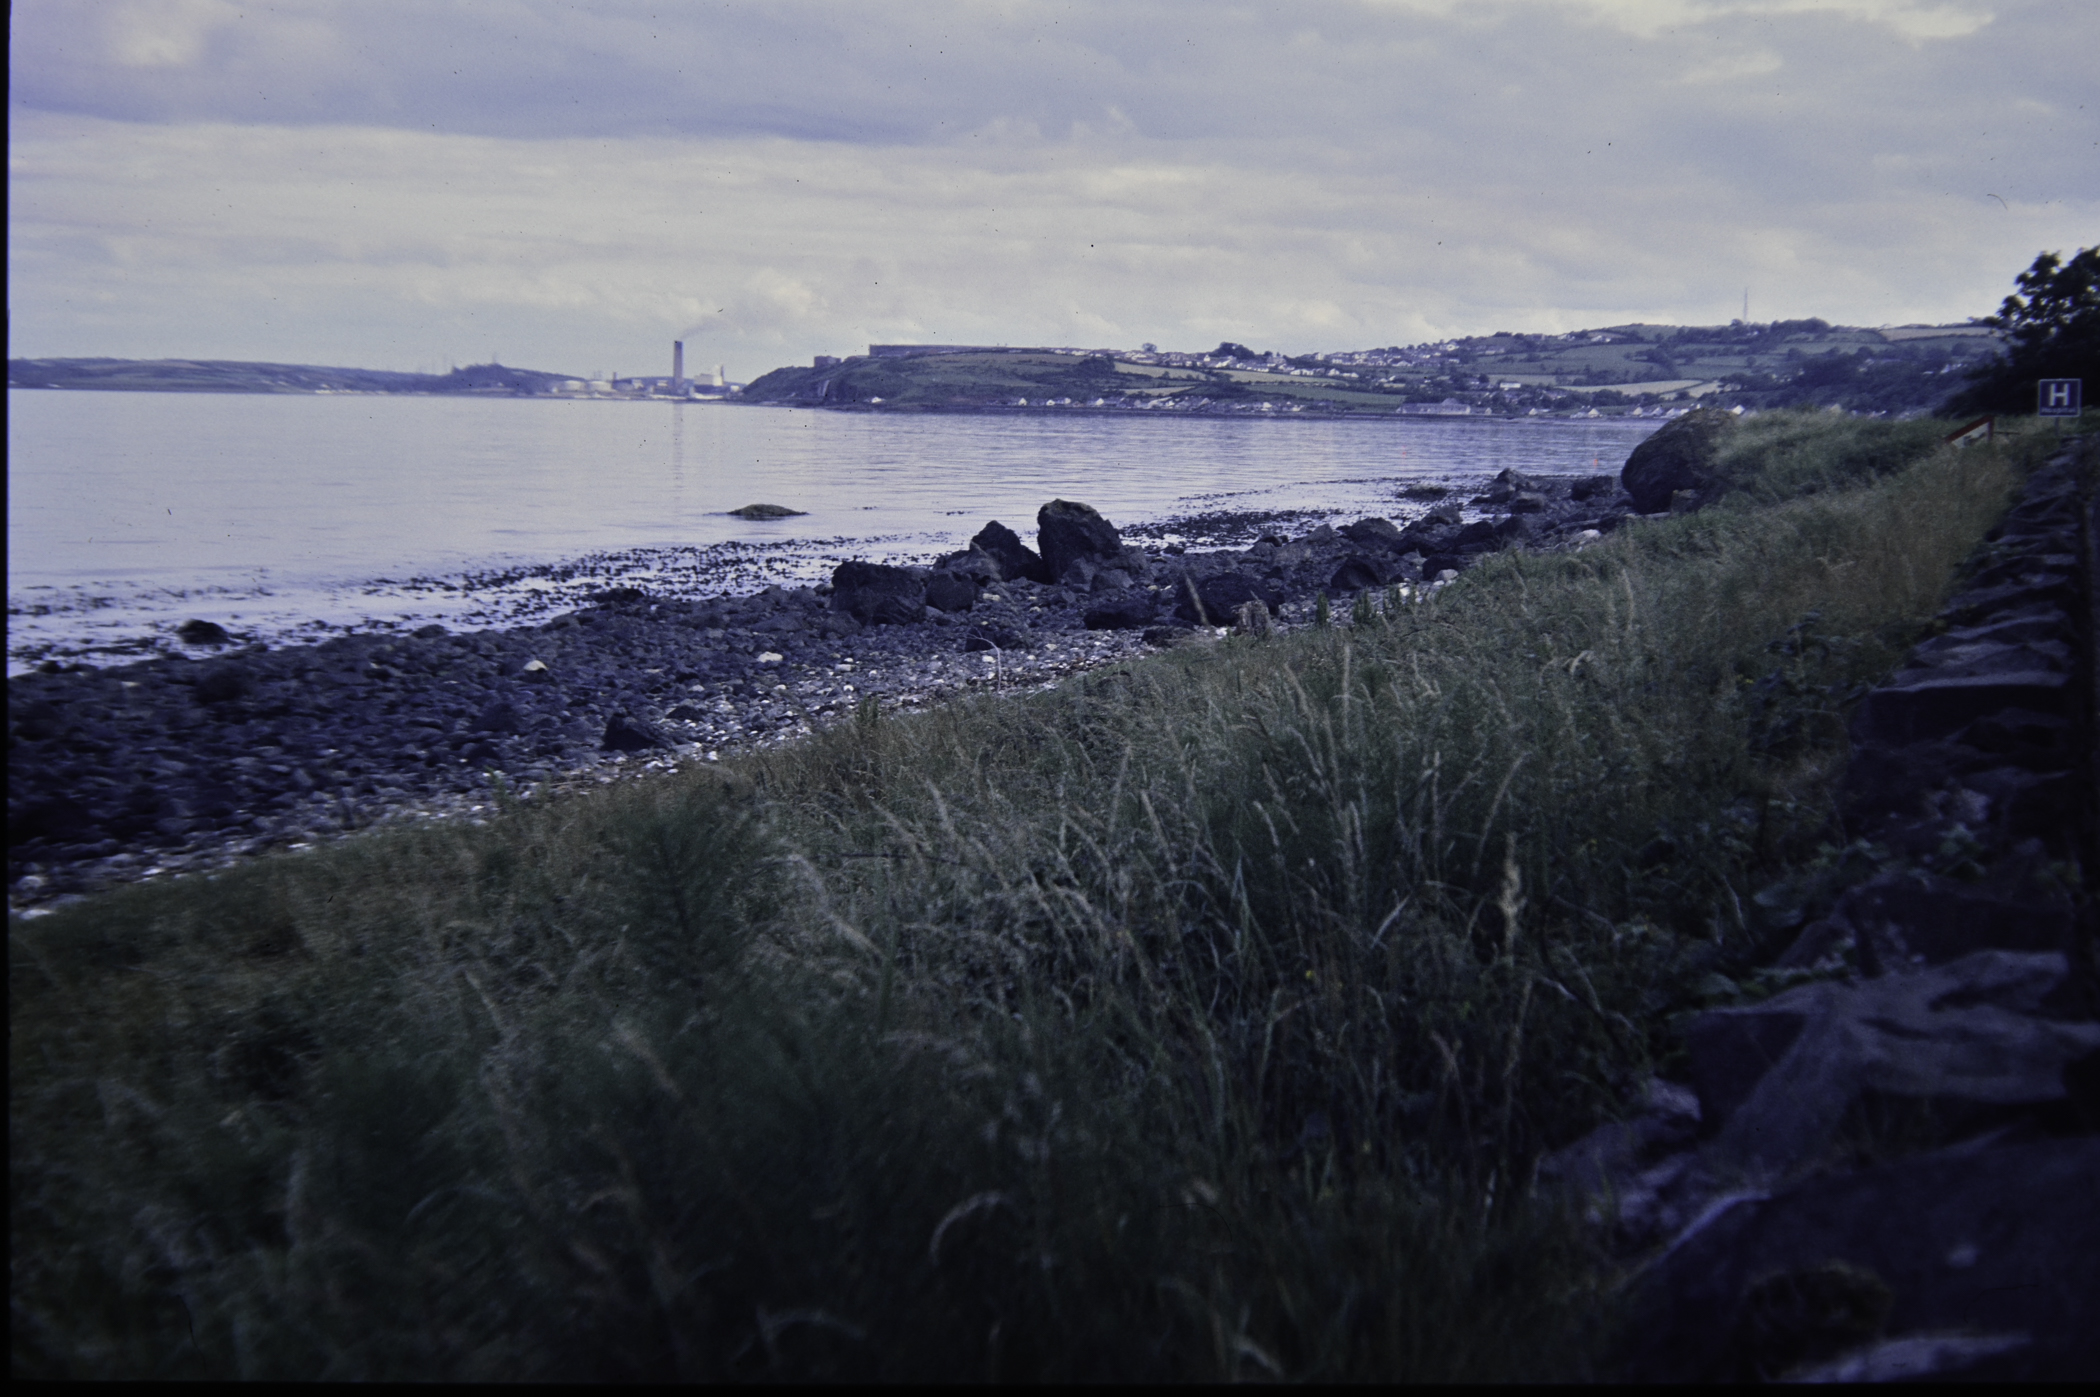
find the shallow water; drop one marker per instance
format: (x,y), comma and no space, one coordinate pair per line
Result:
(296,515)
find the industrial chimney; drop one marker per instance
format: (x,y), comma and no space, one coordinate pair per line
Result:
(721,379)
(678,367)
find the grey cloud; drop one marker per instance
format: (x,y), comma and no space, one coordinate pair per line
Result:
(797,176)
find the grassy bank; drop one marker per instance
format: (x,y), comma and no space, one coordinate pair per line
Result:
(1204,1018)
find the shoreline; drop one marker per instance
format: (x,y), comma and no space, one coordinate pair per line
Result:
(190,762)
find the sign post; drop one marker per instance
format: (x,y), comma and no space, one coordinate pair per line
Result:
(2059,397)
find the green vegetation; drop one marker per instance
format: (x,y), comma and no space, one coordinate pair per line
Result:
(239,376)
(1789,363)
(2053,323)
(1203,1018)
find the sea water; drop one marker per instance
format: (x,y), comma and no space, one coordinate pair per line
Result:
(288,516)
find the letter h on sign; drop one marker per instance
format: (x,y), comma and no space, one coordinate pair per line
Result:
(2060,397)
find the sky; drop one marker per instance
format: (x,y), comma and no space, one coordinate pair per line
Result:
(413,184)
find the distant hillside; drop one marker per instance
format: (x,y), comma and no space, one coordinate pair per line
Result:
(1621,368)
(234,376)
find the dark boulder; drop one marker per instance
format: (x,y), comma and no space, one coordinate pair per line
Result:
(1075,539)
(1472,538)
(1944,1243)
(499,717)
(1375,533)
(1122,611)
(222,683)
(59,819)
(1355,574)
(624,733)
(1017,561)
(974,563)
(194,632)
(1679,457)
(949,591)
(990,638)
(878,594)
(1591,486)
(1221,596)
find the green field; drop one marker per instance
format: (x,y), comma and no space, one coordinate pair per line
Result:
(1789,364)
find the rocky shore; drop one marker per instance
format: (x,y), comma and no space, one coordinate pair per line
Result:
(187,762)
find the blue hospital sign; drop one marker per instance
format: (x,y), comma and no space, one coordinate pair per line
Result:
(2060,397)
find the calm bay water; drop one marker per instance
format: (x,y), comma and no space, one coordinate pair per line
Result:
(281,516)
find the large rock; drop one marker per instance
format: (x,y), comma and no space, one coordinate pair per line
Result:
(1978,1264)
(626,733)
(1130,609)
(1679,457)
(195,632)
(1375,533)
(1016,560)
(1221,596)
(950,592)
(877,594)
(1776,1078)
(1075,539)
(975,564)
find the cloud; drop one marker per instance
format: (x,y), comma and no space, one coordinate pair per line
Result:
(570,186)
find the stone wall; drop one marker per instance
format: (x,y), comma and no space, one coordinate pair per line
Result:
(1892,1169)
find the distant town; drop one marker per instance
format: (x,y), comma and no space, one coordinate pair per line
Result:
(1623,370)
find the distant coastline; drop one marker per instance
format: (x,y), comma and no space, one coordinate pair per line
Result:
(1622,370)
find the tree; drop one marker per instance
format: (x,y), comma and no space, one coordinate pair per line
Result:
(2052,329)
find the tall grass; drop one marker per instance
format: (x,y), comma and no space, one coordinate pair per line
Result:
(1202,1019)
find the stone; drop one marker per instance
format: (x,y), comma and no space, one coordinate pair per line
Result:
(877,594)
(1528,502)
(1355,574)
(1016,561)
(950,592)
(1680,456)
(1922,704)
(1071,534)
(1252,618)
(768,511)
(2000,1246)
(1110,580)
(1374,533)
(1217,598)
(626,733)
(979,638)
(1959,1032)
(1591,486)
(973,563)
(1911,914)
(196,632)
(1120,611)
(499,717)
(222,683)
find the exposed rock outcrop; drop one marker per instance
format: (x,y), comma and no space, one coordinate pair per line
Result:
(1679,457)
